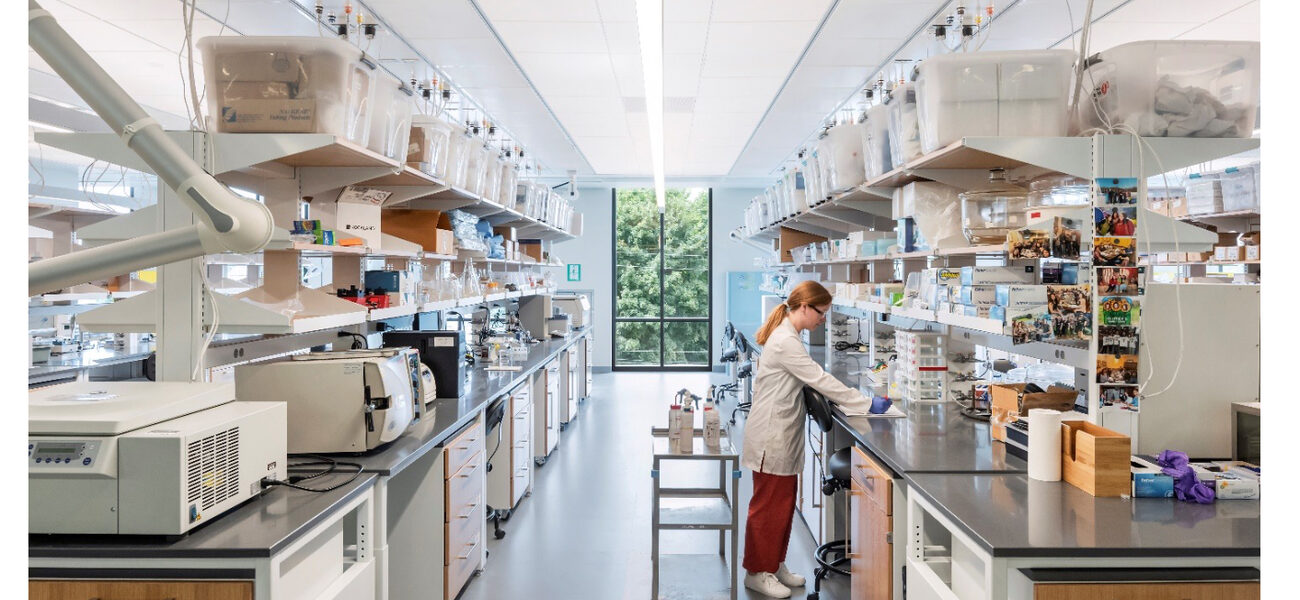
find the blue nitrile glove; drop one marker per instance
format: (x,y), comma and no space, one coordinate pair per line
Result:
(1187,487)
(880,404)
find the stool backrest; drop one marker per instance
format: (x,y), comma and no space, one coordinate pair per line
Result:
(819,408)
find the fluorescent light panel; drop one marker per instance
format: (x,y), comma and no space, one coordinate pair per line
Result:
(650,28)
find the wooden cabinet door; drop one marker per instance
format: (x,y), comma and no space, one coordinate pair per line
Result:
(1226,590)
(46,589)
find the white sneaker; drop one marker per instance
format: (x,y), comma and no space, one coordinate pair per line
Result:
(766,584)
(789,579)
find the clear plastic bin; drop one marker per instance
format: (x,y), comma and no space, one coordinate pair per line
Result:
(430,145)
(1205,195)
(1050,191)
(1173,88)
(1240,186)
(794,185)
(509,182)
(1012,93)
(904,131)
(988,214)
(476,166)
(263,84)
(812,178)
(841,150)
(458,157)
(875,142)
(390,117)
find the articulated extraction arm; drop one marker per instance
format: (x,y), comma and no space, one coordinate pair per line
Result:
(228,223)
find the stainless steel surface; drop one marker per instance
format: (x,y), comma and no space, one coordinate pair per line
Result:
(1010,515)
(69,366)
(260,528)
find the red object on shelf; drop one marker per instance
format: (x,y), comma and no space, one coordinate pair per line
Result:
(377,300)
(358,299)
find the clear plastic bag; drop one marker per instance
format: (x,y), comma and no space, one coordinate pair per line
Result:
(464,227)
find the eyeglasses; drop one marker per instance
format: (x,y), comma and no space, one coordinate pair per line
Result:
(819,312)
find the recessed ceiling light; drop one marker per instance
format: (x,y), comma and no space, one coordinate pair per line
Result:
(650,28)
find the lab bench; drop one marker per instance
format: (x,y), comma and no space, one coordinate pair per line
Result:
(961,519)
(418,523)
(121,364)
(283,544)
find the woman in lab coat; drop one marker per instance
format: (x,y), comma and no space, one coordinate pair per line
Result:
(774,433)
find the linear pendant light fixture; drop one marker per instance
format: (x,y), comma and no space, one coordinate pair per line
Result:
(650,28)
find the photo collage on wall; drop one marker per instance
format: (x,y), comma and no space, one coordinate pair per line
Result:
(1119,285)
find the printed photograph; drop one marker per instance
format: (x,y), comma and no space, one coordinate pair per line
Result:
(1117,368)
(1114,252)
(1070,307)
(1123,396)
(1117,339)
(1119,310)
(1120,221)
(1029,327)
(1119,281)
(1067,238)
(1120,191)
(1028,243)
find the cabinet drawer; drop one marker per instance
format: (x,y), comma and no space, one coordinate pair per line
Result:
(465,489)
(463,528)
(1221,590)
(465,445)
(521,400)
(45,589)
(874,481)
(461,564)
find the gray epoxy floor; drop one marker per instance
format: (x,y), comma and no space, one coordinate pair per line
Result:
(585,531)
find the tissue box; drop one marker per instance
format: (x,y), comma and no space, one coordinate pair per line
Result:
(976,311)
(998,313)
(1252,252)
(1229,486)
(979,295)
(1020,295)
(1148,484)
(995,275)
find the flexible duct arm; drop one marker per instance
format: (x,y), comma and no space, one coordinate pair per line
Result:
(228,223)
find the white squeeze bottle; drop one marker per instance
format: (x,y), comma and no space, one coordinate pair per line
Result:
(712,426)
(686,443)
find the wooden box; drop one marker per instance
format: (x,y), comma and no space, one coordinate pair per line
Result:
(1010,403)
(1095,459)
(791,239)
(428,228)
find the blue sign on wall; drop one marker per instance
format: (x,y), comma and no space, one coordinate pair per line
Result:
(575,272)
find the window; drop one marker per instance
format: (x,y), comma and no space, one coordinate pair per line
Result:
(663,280)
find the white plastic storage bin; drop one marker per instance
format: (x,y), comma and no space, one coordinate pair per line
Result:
(904,131)
(430,145)
(875,142)
(476,166)
(390,117)
(509,182)
(1204,195)
(492,167)
(1174,88)
(1012,93)
(259,84)
(1240,187)
(841,153)
(794,185)
(813,193)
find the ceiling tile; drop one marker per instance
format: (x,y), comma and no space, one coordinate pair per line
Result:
(842,52)
(523,37)
(481,52)
(627,70)
(884,18)
(687,10)
(739,87)
(622,37)
(572,11)
(682,74)
(1188,11)
(617,10)
(570,74)
(768,10)
(423,19)
(685,37)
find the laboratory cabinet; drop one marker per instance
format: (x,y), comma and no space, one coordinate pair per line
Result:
(511,474)
(1205,590)
(871,548)
(546,411)
(139,590)
(811,503)
(569,385)
(465,466)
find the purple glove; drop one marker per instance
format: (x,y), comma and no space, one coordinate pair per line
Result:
(1187,487)
(880,404)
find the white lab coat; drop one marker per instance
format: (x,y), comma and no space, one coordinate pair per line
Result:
(774,431)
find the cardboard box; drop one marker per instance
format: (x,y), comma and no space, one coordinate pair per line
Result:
(1020,295)
(532,248)
(1252,252)
(1095,459)
(1160,206)
(947,276)
(428,228)
(506,233)
(790,239)
(1250,239)
(1010,403)
(1177,207)
(1226,253)
(267,116)
(996,275)
(982,312)
(1227,239)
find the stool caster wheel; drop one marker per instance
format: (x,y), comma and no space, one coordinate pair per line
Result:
(818,572)
(500,534)
(814,596)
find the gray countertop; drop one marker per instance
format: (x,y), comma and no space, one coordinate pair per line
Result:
(454,413)
(259,528)
(1009,515)
(933,438)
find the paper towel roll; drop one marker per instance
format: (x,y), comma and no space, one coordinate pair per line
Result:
(1044,444)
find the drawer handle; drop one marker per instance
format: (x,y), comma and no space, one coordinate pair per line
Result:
(469,474)
(465,556)
(467,513)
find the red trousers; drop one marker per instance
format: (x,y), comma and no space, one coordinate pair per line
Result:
(767,530)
